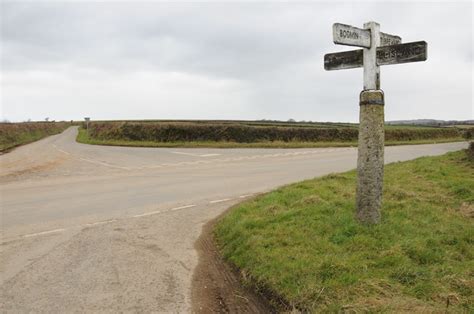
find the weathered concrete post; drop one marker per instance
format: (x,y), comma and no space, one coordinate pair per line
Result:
(378,49)
(370,159)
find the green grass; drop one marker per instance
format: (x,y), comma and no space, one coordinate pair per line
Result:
(301,243)
(82,137)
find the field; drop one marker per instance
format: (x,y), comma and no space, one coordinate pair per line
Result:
(300,245)
(250,134)
(15,134)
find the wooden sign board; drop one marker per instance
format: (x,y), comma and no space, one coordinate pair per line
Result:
(394,54)
(348,35)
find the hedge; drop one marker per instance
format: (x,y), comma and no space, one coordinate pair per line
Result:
(213,132)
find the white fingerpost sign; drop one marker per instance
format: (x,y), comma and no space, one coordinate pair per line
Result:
(378,49)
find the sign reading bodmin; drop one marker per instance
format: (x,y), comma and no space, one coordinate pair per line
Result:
(352,36)
(378,49)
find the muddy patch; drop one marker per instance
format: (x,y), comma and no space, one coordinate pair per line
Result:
(216,286)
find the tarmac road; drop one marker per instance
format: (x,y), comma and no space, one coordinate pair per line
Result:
(97,228)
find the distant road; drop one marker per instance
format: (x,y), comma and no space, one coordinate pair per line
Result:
(102,228)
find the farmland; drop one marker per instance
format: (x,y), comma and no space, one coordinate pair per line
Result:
(250,134)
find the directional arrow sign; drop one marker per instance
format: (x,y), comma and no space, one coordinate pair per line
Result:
(348,35)
(395,54)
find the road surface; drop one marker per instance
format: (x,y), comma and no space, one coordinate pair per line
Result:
(97,228)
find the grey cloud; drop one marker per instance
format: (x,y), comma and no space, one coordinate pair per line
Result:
(275,51)
(219,39)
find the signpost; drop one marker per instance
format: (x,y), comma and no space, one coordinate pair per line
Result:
(378,49)
(87,124)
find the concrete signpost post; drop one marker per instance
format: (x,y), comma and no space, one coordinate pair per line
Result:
(378,49)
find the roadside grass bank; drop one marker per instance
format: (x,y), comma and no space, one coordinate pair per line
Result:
(84,137)
(16,134)
(301,245)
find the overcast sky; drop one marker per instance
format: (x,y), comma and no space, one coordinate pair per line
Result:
(239,60)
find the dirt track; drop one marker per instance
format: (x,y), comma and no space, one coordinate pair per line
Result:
(110,229)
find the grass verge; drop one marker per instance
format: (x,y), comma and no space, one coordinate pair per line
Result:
(82,137)
(301,244)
